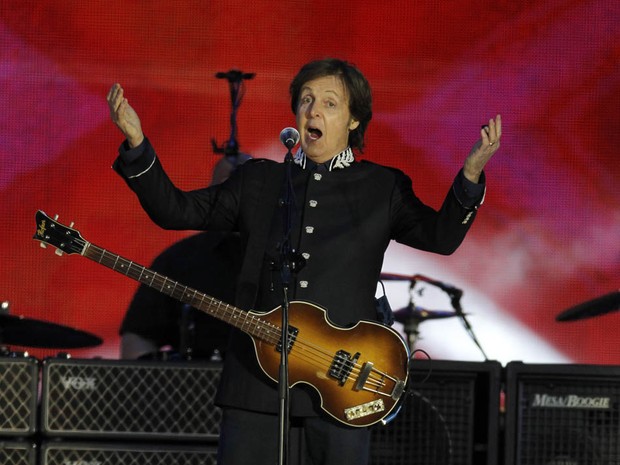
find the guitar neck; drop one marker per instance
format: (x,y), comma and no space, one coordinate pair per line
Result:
(249,323)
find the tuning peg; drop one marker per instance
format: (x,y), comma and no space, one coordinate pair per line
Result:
(71,225)
(56,217)
(58,252)
(43,245)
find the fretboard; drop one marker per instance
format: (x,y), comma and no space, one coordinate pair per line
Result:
(249,323)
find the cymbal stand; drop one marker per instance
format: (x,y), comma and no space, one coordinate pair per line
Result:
(4,310)
(412,323)
(455,300)
(455,295)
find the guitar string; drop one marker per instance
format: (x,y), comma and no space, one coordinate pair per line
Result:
(271,334)
(159,281)
(264,328)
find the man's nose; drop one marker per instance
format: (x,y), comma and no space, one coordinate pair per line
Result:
(313,110)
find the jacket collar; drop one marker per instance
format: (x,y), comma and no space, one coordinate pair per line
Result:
(340,161)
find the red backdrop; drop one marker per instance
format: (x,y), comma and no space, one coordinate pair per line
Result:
(547,236)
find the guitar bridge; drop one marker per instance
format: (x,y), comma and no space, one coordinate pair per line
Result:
(341,366)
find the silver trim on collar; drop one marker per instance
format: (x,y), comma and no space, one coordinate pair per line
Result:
(340,161)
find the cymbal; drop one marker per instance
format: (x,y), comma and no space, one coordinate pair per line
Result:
(595,307)
(420,314)
(28,332)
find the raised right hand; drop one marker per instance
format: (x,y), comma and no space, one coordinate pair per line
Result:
(124,116)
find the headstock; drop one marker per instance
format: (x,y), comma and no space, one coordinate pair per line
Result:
(64,238)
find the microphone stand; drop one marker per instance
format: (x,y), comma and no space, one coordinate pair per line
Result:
(235,79)
(186,333)
(287,267)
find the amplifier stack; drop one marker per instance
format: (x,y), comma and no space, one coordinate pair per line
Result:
(65,411)
(19,381)
(120,411)
(562,414)
(122,399)
(450,417)
(108,412)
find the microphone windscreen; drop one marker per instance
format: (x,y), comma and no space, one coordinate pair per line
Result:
(289,137)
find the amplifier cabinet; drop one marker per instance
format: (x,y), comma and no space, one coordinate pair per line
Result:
(17,453)
(562,414)
(129,399)
(19,382)
(450,417)
(96,453)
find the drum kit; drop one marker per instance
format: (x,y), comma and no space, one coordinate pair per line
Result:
(412,315)
(30,332)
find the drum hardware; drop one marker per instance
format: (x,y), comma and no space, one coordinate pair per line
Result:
(411,316)
(28,332)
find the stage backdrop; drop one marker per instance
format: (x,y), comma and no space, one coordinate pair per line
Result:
(547,237)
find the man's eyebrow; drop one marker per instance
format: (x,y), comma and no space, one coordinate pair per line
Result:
(310,89)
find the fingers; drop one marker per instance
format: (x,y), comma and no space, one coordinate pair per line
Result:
(490,134)
(115,97)
(495,128)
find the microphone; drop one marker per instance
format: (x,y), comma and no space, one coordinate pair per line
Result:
(447,288)
(289,137)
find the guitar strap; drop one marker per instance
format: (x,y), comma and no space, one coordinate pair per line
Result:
(385,314)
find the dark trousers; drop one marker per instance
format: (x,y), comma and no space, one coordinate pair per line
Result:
(250,437)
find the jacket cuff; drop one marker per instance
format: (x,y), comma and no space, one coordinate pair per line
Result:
(469,194)
(133,162)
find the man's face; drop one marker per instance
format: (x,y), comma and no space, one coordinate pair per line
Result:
(323,118)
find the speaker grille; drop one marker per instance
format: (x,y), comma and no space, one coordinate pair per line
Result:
(450,419)
(119,398)
(129,454)
(563,415)
(18,396)
(17,453)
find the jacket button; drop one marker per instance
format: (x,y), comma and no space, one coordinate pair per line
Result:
(309,229)
(466,220)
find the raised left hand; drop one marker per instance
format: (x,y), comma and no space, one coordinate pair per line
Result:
(483,149)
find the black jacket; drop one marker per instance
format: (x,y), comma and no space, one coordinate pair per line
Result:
(345,220)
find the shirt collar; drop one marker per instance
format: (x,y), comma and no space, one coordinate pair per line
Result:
(340,161)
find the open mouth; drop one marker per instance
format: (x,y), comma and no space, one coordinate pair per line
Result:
(315,134)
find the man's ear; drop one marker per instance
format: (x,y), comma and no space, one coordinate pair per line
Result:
(353,124)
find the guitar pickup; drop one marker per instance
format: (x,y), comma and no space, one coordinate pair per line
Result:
(292,336)
(341,366)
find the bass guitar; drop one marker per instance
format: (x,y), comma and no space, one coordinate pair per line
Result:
(360,373)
